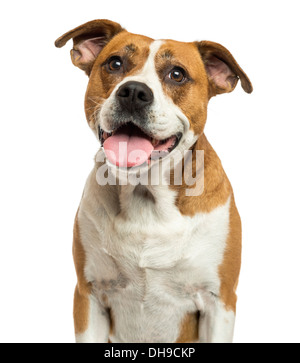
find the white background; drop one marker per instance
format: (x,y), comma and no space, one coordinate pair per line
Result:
(47,152)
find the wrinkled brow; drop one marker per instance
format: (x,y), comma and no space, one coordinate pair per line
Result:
(130,48)
(167,54)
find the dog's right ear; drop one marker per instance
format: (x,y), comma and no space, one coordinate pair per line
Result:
(88,41)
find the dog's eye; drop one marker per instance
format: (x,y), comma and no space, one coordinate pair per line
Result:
(114,64)
(177,74)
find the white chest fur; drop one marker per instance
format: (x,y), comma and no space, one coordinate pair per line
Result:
(152,264)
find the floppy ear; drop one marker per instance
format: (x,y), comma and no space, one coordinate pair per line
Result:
(222,69)
(88,41)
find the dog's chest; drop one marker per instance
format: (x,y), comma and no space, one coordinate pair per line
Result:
(152,267)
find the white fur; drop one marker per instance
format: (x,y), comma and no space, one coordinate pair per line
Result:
(217,325)
(98,324)
(151,262)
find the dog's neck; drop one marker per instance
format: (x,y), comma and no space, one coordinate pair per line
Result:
(163,196)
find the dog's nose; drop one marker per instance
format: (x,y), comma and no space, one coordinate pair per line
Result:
(134,95)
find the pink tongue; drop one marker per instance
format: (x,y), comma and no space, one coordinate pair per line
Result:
(128,147)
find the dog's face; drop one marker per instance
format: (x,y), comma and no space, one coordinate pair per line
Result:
(151,95)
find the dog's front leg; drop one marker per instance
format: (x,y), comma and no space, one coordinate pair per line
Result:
(216,324)
(91,320)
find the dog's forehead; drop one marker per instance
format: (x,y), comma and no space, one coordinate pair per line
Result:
(173,49)
(131,45)
(128,44)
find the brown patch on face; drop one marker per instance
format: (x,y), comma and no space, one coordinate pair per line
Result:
(83,288)
(189,331)
(133,50)
(190,95)
(230,268)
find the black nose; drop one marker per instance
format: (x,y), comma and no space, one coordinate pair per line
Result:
(134,95)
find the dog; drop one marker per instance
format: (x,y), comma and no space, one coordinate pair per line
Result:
(155,262)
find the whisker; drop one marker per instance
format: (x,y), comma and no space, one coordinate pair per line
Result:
(93,117)
(97,103)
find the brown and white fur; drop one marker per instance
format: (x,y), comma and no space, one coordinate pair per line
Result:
(153,264)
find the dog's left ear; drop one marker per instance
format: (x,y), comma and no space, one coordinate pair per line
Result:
(222,69)
(88,41)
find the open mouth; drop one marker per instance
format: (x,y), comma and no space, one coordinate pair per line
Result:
(130,146)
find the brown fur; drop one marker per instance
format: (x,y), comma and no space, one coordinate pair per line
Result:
(101,83)
(208,49)
(217,188)
(192,96)
(189,331)
(105,29)
(230,268)
(83,288)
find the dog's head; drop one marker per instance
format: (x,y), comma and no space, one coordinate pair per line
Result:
(152,95)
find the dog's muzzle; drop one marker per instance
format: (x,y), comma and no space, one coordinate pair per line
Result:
(130,141)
